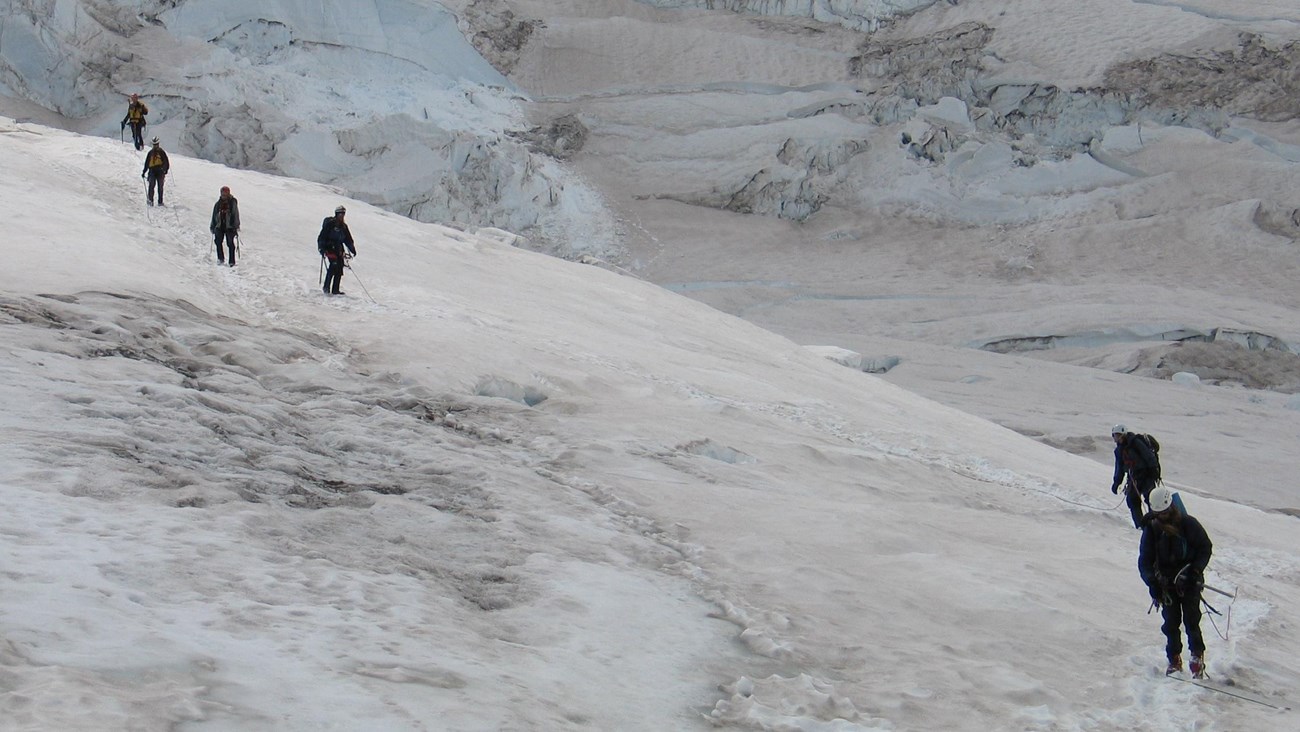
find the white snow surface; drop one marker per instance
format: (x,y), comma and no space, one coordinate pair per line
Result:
(512,492)
(490,489)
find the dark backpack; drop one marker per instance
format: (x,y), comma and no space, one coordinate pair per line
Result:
(1154,444)
(327,244)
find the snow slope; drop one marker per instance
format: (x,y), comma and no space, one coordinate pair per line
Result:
(509,491)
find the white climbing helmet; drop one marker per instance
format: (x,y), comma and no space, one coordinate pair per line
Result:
(1119,429)
(1160,499)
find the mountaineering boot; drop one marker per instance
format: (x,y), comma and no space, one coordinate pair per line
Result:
(1175,664)
(1198,666)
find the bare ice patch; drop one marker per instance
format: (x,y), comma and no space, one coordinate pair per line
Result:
(714,451)
(500,388)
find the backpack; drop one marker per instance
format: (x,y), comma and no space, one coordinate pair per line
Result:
(1154,444)
(324,244)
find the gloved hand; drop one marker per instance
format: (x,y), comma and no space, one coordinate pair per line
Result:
(1189,580)
(123,124)
(1114,488)
(142,175)
(1161,595)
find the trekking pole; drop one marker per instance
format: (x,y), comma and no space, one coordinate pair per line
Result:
(363,287)
(321,280)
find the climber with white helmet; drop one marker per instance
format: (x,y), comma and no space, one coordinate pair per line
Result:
(1174,553)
